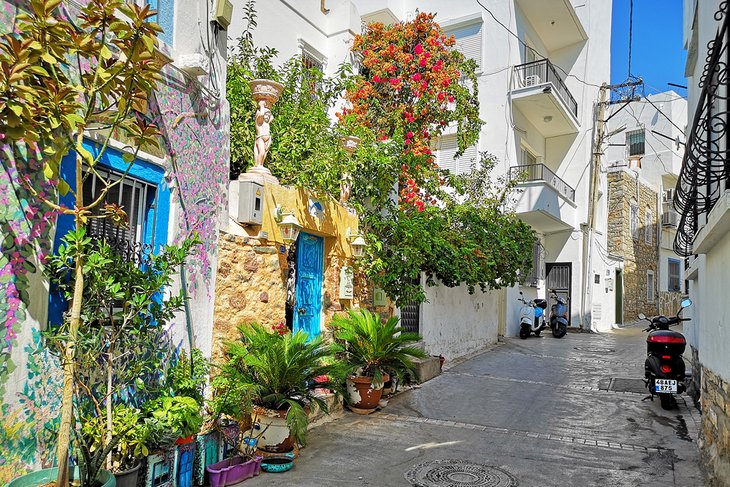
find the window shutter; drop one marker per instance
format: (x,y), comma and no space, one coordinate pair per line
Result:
(446,149)
(469,41)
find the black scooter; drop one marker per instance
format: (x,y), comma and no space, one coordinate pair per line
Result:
(664,366)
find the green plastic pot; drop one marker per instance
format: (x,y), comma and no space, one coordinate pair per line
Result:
(40,477)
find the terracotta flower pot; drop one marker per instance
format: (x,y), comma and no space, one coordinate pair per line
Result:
(363,393)
(266,90)
(277,437)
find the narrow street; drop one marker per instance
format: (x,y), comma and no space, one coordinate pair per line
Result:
(543,411)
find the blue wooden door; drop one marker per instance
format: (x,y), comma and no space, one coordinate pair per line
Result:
(308,309)
(185,468)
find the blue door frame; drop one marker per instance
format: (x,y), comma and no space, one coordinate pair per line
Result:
(310,274)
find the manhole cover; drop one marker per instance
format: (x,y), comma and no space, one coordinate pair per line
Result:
(596,349)
(458,473)
(617,384)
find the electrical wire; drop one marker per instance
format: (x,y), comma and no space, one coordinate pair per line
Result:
(631,33)
(526,46)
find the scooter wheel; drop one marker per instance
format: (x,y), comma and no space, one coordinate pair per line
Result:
(667,401)
(559,331)
(524,332)
(537,333)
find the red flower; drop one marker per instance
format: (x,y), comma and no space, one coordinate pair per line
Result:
(441,96)
(422,62)
(451,99)
(445,83)
(418,49)
(409,135)
(408,141)
(416,77)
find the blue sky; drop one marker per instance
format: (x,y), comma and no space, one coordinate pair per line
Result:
(657,53)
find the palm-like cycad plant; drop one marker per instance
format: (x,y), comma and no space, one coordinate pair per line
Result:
(373,347)
(281,370)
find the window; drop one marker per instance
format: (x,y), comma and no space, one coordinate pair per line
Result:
(165,17)
(446,147)
(537,266)
(527,157)
(634,221)
(650,286)
(469,41)
(648,225)
(311,59)
(137,198)
(635,142)
(675,277)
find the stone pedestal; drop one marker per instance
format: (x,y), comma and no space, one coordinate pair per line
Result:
(260,174)
(427,368)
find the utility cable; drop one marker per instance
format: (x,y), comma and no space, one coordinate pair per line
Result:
(631,33)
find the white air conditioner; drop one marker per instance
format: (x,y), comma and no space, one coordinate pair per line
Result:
(532,80)
(670,219)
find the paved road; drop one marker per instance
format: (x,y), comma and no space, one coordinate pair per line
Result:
(527,412)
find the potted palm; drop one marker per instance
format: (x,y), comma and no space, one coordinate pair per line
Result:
(281,368)
(372,349)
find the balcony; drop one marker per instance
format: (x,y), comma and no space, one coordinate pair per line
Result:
(541,95)
(546,202)
(555,21)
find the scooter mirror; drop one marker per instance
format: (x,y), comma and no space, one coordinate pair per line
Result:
(642,316)
(686,303)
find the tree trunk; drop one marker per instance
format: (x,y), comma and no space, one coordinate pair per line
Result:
(109,417)
(69,364)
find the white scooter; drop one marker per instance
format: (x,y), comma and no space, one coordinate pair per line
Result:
(532,316)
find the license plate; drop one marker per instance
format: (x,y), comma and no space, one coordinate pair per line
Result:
(665,385)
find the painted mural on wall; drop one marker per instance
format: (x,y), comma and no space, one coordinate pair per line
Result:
(195,138)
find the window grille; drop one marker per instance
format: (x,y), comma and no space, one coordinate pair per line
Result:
(675,277)
(635,142)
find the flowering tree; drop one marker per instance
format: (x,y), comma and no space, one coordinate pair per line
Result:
(413,87)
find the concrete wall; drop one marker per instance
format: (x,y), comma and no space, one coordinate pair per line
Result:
(455,323)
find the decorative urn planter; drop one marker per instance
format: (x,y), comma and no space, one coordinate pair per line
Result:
(276,436)
(233,470)
(363,393)
(266,90)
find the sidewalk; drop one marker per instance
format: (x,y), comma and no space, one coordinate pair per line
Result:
(532,412)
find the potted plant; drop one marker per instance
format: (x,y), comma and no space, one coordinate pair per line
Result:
(372,349)
(280,370)
(121,346)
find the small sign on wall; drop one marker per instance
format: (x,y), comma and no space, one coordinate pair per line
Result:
(347,287)
(379,298)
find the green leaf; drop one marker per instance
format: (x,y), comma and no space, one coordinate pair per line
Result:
(63,187)
(105,52)
(128,157)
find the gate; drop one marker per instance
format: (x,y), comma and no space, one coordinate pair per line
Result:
(410,318)
(558,278)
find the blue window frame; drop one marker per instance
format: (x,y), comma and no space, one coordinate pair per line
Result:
(165,17)
(143,193)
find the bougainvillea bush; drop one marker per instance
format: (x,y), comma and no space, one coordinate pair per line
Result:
(413,87)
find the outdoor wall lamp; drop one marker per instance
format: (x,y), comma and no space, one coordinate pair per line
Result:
(290,228)
(358,246)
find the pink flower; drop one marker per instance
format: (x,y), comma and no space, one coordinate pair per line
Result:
(441,96)
(422,62)
(409,135)
(408,141)
(416,77)
(377,79)
(418,49)
(451,99)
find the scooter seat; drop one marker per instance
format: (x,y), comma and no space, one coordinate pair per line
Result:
(541,303)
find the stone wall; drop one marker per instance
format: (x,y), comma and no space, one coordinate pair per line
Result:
(714,440)
(639,256)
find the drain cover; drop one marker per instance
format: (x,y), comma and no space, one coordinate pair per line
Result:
(596,349)
(458,473)
(618,384)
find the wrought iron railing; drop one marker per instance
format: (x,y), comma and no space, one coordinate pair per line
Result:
(121,242)
(706,163)
(543,71)
(540,172)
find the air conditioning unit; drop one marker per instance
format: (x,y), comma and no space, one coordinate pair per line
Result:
(670,219)
(668,195)
(532,80)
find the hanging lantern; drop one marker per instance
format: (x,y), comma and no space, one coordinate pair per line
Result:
(290,227)
(358,247)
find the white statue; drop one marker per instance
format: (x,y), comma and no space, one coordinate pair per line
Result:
(264,117)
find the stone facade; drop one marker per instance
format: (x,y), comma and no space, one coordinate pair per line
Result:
(640,256)
(714,440)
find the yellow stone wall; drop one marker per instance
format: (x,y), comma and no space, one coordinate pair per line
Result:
(252,271)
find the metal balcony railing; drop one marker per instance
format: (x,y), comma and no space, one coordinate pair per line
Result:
(540,172)
(543,71)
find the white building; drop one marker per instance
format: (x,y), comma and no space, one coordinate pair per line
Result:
(538,90)
(648,147)
(703,199)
